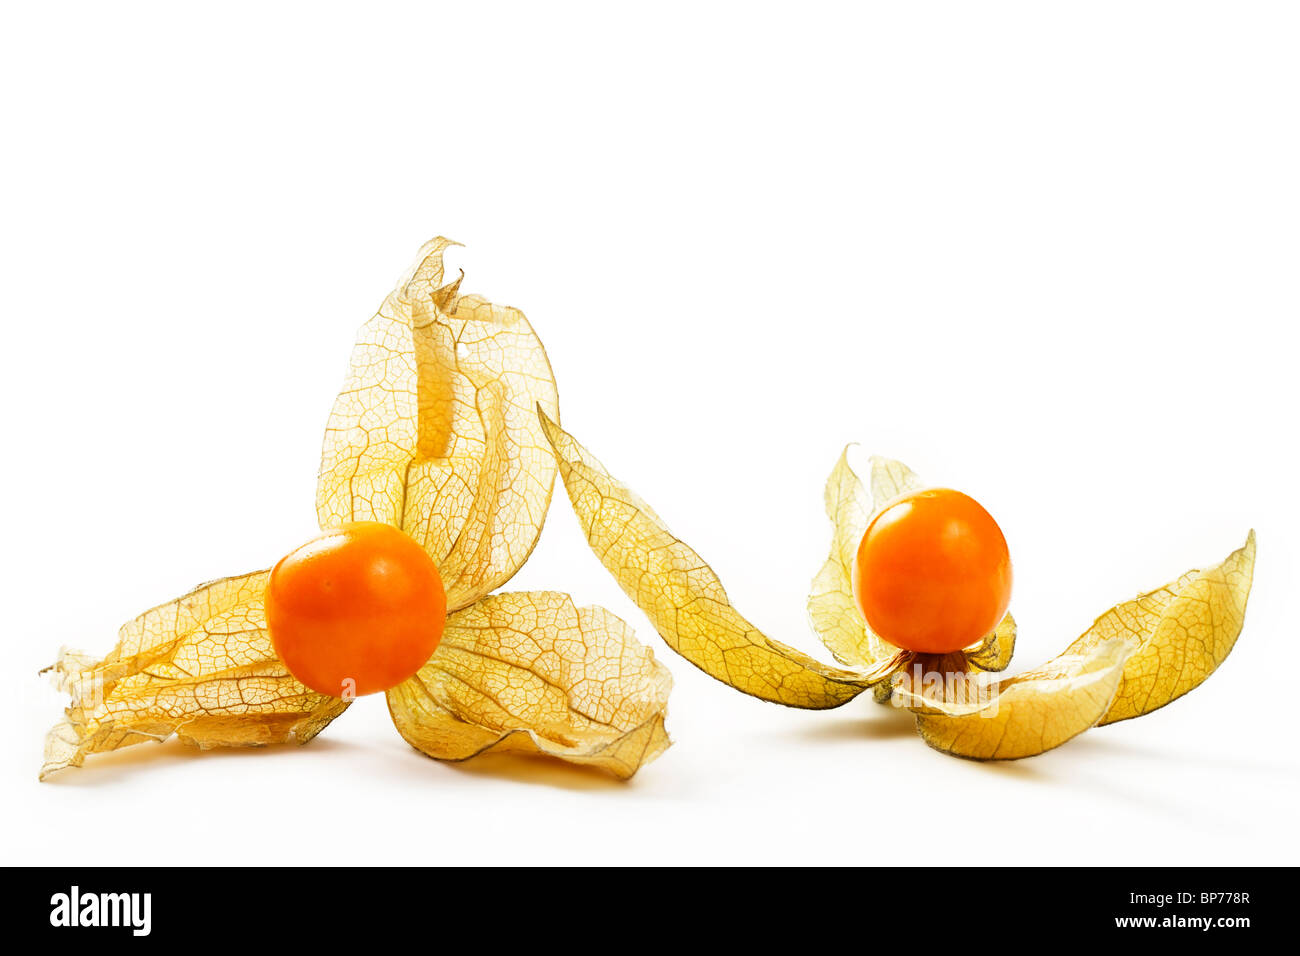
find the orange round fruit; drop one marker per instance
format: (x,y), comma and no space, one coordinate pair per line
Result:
(933,573)
(357,610)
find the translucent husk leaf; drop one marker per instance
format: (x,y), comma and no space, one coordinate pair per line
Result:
(994,652)
(435,430)
(530,672)
(832,609)
(201,667)
(1183,631)
(684,599)
(1017,716)
(891,479)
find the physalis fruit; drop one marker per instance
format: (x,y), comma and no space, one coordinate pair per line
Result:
(933,573)
(355,610)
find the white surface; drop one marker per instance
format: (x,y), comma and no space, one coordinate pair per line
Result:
(1044,254)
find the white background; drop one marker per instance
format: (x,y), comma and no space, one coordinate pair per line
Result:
(1042,252)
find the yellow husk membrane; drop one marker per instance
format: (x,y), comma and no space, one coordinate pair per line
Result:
(684,599)
(435,430)
(201,667)
(529,672)
(1137,657)
(832,608)
(1183,632)
(994,652)
(1023,715)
